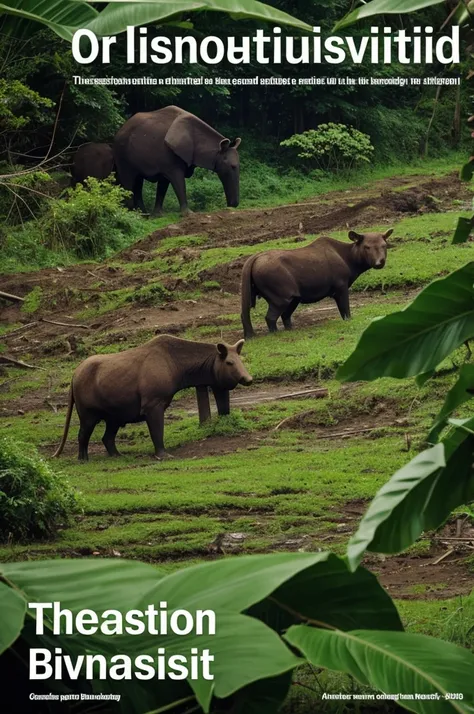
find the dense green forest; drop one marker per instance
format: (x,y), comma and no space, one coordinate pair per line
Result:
(44,115)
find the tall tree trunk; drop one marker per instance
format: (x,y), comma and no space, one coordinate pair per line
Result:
(435,107)
(457,118)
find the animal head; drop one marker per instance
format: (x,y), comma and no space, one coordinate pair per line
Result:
(371,247)
(229,368)
(228,169)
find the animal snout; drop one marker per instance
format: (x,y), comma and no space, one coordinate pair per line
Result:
(380,263)
(246,380)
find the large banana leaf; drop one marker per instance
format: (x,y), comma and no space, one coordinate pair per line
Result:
(316,586)
(119,13)
(64,17)
(245,649)
(416,339)
(13,608)
(329,594)
(395,663)
(384,7)
(462,391)
(419,497)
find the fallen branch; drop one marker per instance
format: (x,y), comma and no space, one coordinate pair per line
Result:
(462,540)
(442,557)
(64,324)
(20,329)
(18,363)
(293,416)
(12,298)
(97,277)
(317,393)
(352,432)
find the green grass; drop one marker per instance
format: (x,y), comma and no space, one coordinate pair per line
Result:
(174,509)
(288,489)
(23,251)
(262,185)
(413,259)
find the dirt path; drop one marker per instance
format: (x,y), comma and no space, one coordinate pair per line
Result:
(334,211)
(337,210)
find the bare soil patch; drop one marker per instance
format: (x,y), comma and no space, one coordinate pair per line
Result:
(420,578)
(380,204)
(67,291)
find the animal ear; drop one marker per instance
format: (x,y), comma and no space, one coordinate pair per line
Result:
(222,349)
(356,237)
(179,138)
(224,145)
(194,141)
(238,346)
(236,143)
(388,233)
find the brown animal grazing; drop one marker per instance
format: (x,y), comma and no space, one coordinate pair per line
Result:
(324,268)
(96,160)
(164,147)
(138,385)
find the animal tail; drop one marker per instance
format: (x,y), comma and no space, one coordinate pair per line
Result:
(248,296)
(66,425)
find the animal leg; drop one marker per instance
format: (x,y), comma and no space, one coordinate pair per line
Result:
(88,425)
(204,408)
(342,302)
(272,316)
(137,194)
(161,189)
(222,397)
(108,439)
(179,185)
(155,420)
(286,316)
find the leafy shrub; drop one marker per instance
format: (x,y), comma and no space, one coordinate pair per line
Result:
(331,147)
(90,222)
(34,501)
(149,294)
(32,301)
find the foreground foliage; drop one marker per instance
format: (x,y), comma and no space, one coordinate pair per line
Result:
(64,18)
(256,600)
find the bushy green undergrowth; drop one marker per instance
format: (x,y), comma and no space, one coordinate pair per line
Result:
(265,183)
(414,257)
(89,222)
(82,224)
(34,501)
(37,244)
(331,147)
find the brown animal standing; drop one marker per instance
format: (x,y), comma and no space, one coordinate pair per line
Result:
(139,384)
(96,160)
(324,268)
(164,147)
